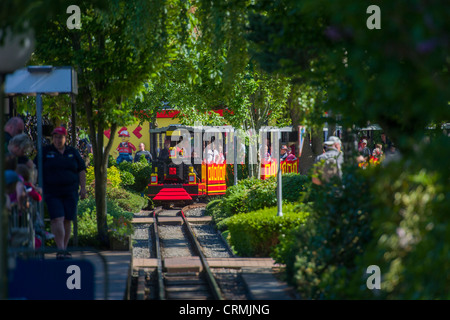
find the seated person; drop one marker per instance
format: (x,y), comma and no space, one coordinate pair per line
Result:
(164,154)
(283,152)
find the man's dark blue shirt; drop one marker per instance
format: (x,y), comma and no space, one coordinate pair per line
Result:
(61,171)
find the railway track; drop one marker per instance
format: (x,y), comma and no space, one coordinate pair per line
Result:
(182,271)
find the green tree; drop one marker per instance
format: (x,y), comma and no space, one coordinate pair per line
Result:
(114,52)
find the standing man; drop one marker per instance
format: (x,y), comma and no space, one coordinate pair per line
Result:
(64,174)
(142,152)
(333,160)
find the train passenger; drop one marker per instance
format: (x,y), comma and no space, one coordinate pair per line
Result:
(208,153)
(283,152)
(164,154)
(267,156)
(291,156)
(364,150)
(220,156)
(14,189)
(215,152)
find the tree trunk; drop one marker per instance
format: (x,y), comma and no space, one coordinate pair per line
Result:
(306,161)
(100,200)
(100,154)
(101,172)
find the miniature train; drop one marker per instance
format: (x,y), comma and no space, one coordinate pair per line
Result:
(190,163)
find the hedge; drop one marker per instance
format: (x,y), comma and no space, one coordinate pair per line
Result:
(257,233)
(254,194)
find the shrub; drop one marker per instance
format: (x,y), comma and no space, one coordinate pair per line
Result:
(215,210)
(411,232)
(90,177)
(87,224)
(261,194)
(254,194)
(127,200)
(118,220)
(141,172)
(114,177)
(249,195)
(293,185)
(88,205)
(127,178)
(234,199)
(257,233)
(320,255)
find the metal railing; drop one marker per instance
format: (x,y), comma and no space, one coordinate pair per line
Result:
(23,224)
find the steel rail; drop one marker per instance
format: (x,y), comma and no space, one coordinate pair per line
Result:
(209,276)
(161,288)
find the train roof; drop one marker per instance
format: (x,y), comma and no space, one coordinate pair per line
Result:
(174,127)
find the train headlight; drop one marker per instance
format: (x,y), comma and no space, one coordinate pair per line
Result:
(154,178)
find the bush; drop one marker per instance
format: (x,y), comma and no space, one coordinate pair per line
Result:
(127,178)
(118,220)
(257,233)
(254,194)
(293,185)
(411,232)
(141,172)
(234,200)
(127,200)
(250,195)
(261,194)
(114,178)
(113,209)
(320,255)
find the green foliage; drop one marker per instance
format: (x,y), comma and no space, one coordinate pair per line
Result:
(120,228)
(293,185)
(411,241)
(87,227)
(118,221)
(127,200)
(127,178)
(249,195)
(253,194)
(88,205)
(114,52)
(212,206)
(256,233)
(242,172)
(141,172)
(90,177)
(321,254)
(114,179)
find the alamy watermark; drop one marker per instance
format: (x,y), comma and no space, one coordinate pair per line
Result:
(374,280)
(74,280)
(372,22)
(74,20)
